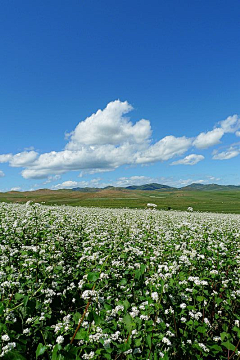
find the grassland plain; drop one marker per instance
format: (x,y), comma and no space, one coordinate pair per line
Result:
(90,283)
(225,201)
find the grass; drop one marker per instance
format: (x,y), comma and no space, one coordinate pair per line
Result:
(213,201)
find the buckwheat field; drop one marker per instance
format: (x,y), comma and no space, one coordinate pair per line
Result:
(89,283)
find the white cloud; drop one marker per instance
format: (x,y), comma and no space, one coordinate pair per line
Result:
(51,179)
(189,160)
(231,124)
(237,133)
(40,173)
(82,184)
(133,180)
(213,178)
(109,126)
(17,188)
(107,140)
(21,159)
(226,155)
(66,185)
(24,158)
(210,138)
(94,171)
(165,149)
(104,157)
(5,158)
(2,173)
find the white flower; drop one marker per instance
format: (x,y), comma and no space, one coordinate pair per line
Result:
(166,341)
(60,339)
(154,296)
(213,272)
(134,312)
(144,317)
(107,342)
(202,346)
(207,321)
(5,338)
(183,306)
(88,356)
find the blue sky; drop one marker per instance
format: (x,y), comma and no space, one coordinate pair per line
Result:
(94,93)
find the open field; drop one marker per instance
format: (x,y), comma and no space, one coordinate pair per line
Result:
(227,201)
(90,283)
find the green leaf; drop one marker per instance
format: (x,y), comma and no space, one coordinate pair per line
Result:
(142,268)
(56,348)
(216,347)
(92,276)
(19,296)
(149,341)
(76,317)
(128,322)
(200,298)
(82,334)
(107,356)
(228,345)
(25,301)
(107,307)
(40,350)
(126,304)
(137,274)
(96,318)
(201,329)
(138,342)
(223,335)
(13,355)
(123,282)
(1,308)
(218,300)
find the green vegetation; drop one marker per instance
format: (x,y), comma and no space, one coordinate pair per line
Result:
(226,201)
(89,283)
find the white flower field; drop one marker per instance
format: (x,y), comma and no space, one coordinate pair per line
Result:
(91,283)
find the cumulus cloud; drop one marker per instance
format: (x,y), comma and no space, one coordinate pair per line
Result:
(82,184)
(189,160)
(104,157)
(4,158)
(210,138)
(133,180)
(109,126)
(226,155)
(21,159)
(165,149)
(25,158)
(237,133)
(51,179)
(66,185)
(2,173)
(108,139)
(231,124)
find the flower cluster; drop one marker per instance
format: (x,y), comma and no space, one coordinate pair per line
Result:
(89,283)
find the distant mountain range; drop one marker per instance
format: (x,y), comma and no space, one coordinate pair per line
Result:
(160,187)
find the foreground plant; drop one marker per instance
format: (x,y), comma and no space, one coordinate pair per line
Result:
(78,283)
